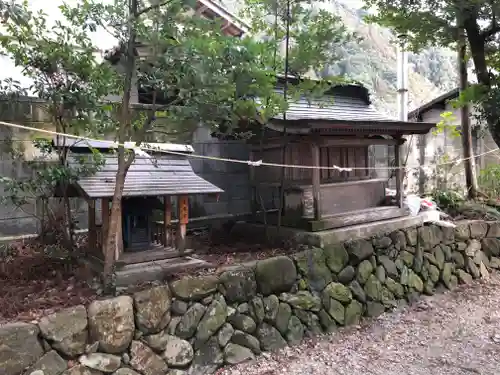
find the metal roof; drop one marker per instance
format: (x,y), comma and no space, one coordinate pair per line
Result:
(333,107)
(440,100)
(147,176)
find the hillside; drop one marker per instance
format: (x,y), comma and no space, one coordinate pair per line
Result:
(373,61)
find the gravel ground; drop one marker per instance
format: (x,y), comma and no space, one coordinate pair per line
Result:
(452,333)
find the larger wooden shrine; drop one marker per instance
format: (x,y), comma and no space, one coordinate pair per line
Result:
(154,185)
(336,133)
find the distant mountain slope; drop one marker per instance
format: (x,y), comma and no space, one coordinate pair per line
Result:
(373,62)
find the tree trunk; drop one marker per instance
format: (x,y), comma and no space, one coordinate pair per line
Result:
(111,242)
(478,53)
(469,164)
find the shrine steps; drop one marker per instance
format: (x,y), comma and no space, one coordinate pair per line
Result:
(156,270)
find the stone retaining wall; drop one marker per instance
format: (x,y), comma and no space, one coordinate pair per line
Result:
(196,324)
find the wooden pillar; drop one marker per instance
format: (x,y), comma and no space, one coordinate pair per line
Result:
(399,174)
(167,220)
(105,221)
(92,235)
(253,188)
(316,181)
(183,204)
(119,234)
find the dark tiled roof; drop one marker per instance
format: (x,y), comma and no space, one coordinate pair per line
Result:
(147,176)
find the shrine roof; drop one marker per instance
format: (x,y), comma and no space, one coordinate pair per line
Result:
(147,176)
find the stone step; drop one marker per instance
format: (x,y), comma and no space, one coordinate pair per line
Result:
(156,271)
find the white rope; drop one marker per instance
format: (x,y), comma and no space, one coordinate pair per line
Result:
(252,163)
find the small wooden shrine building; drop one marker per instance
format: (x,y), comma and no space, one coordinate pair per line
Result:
(336,132)
(154,184)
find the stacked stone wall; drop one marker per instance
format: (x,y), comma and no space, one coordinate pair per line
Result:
(195,325)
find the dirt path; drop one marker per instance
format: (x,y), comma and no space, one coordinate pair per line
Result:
(448,334)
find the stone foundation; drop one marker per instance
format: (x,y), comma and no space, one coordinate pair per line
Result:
(197,324)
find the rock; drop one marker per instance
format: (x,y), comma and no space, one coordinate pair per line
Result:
(214,318)
(495,263)
(336,257)
(312,264)
(207,300)
(389,265)
(246,340)
(50,364)
(380,273)
(19,347)
(271,282)
(189,321)
(225,334)
(353,313)
(381,242)
(411,237)
(396,288)
(176,371)
(347,275)
(107,363)
(269,337)
(448,235)
(81,370)
(152,309)
(194,288)
(357,291)
(234,354)
(158,341)
(494,230)
(326,321)
(458,259)
(111,323)
(238,285)
(418,260)
(415,282)
(426,237)
(178,352)
(271,305)
(439,256)
(126,358)
(127,371)
(172,326)
(303,300)
(310,321)
(179,307)
(243,308)
(462,232)
(473,246)
(433,273)
(92,348)
(257,309)
(491,246)
(338,291)
(407,258)
(399,240)
(446,274)
(464,277)
(481,257)
(374,309)
(66,330)
(283,317)
(373,288)
(335,309)
(207,359)
(447,252)
(295,332)
(145,361)
(243,323)
(484,272)
(365,269)
(461,246)
(359,250)
(472,268)
(478,229)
